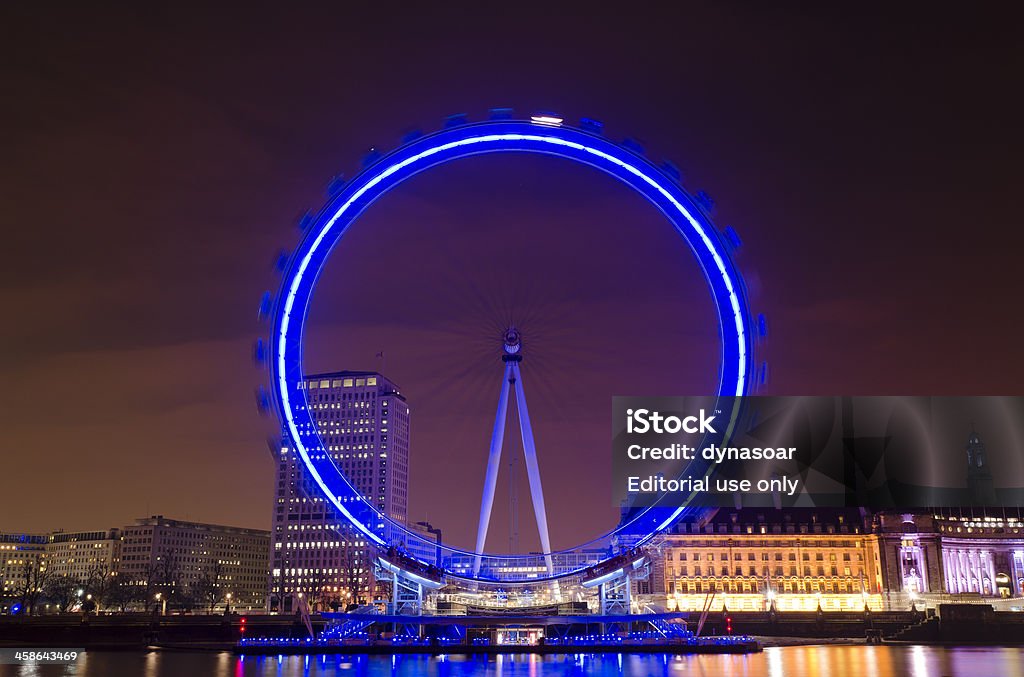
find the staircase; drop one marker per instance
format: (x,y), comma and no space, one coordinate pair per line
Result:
(665,628)
(349,627)
(927,629)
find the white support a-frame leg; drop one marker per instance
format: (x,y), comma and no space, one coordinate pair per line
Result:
(513,381)
(532,469)
(493,463)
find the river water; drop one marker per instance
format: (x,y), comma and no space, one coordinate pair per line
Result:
(797,661)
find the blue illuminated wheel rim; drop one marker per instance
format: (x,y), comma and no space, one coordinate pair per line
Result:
(538,135)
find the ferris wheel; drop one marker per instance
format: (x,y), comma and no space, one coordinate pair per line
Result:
(287,311)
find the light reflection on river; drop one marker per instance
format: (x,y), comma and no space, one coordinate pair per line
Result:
(804,661)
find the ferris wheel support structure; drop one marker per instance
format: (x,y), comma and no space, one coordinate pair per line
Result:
(513,381)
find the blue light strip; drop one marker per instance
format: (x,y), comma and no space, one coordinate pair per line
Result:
(397,570)
(426,152)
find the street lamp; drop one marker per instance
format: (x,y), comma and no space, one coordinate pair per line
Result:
(227,604)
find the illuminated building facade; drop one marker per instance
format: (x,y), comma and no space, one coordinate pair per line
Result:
(22,560)
(910,551)
(363,421)
(966,552)
(422,548)
(798,559)
(83,555)
(754,558)
(175,555)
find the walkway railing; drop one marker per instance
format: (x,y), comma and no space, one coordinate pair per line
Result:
(349,627)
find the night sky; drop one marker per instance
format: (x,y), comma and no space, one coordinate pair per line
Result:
(156,158)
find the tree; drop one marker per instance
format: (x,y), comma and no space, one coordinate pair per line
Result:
(167,570)
(30,586)
(208,589)
(184,598)
(164,577)
(99,583)
(62,590)
(279,586)
(144,591)
(314,588)
(121,594)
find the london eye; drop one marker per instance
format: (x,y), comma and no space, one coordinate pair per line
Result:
(287,310)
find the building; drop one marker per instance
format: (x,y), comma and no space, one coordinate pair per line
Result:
(363,421)
(979,475)
(910,550)
(962,552)
(84,555)
(22,568)
(982,552)
(803,558)
(755,558)
(972,551)
(196,564)
(426,546)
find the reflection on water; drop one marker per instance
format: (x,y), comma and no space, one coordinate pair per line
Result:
(806,661)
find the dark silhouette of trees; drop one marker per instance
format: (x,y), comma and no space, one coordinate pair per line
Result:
(30,587)
(62,590)
(208,589)
(121,594)
(100,583)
